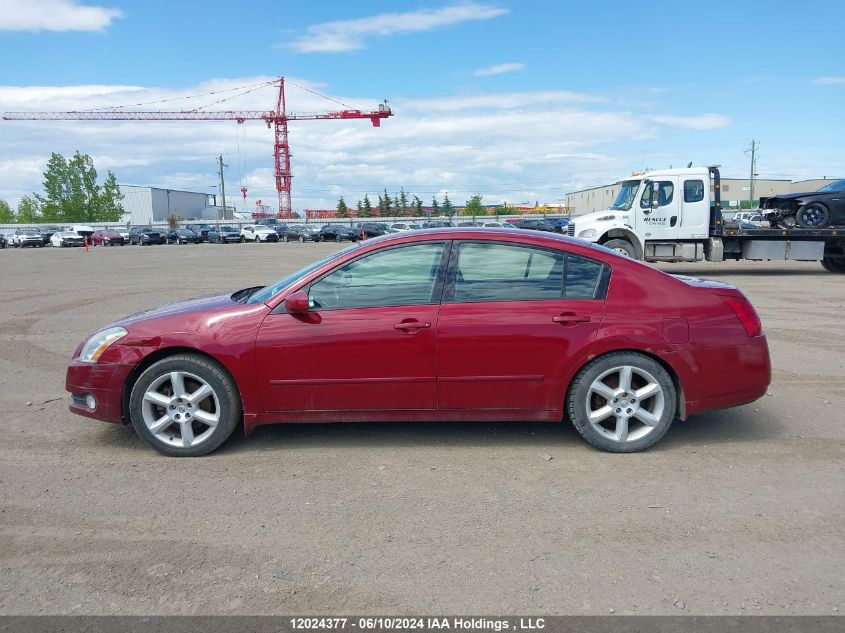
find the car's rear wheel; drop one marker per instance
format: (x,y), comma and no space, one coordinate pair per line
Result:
(302,239)
(813,216)
(623,247)
(184,405)
(622,402)
(338,238)
(286,239)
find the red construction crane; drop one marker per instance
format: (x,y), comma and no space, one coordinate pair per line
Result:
(277,119)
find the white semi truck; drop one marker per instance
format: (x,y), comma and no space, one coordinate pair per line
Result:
(675,215)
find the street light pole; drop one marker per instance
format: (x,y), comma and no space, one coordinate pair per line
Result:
(222,185)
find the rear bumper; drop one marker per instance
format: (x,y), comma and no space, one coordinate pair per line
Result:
(728,376)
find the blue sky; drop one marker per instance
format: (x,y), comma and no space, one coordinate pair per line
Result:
(517,100)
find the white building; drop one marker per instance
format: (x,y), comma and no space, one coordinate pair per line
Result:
(147,205)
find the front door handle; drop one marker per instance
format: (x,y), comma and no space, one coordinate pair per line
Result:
(411,326)
(570,318)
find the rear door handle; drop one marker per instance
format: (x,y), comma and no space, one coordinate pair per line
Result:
(411,326)
(570,318)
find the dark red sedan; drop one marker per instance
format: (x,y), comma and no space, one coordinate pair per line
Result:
(443,324)
(107,237)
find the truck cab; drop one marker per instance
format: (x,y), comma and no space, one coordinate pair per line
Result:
(665,215)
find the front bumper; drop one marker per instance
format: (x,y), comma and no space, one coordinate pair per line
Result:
(104,382)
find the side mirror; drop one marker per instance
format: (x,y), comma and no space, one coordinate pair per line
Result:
(297,303)
(655,199)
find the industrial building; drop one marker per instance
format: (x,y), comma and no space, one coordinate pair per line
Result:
(734,191)
(147,205)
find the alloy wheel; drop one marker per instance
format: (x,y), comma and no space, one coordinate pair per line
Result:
(180,409)
(625,403)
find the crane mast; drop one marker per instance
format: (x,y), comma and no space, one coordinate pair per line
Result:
(277,119)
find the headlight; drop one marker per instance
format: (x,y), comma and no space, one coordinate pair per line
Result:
(99,343)
(587,234)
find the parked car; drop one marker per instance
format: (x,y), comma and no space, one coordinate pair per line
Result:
(145,236)
(404,226)
(9,239)
(82,229)
(301,233)
(124,233)
(107,237)
(372,229)
(499,225)
(224,235)
(531,326)
(258,233)
(468,223)
(534,224)
(437,224)
(182,236)
(271,222)
(809,210)
(337,233)
(2,241)
(200,229)
(46,231)
(558,224)
(27,237)
(66,237)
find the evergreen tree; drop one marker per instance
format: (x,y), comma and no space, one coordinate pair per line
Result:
(402,203)
(416,206)
(448,209)
(342,209)
(435,207)
(387,202)
(367,209)
(474,207)
(7,216)
(359,207)
(29,211)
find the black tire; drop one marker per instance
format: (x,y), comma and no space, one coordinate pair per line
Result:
(813,216)
(579,398)
(286,239)
(302,239)
(243,239)
(338,238)
(834,265)
(322,237)
(623,247)
(224,387)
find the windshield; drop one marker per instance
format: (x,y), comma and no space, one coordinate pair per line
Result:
(625,198)
(269,291)
(834,187)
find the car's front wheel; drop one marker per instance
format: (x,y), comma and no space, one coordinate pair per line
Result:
(622,402)
(302,239)
(185,405)
(813,216)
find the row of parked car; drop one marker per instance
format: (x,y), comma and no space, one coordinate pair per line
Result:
(265,230)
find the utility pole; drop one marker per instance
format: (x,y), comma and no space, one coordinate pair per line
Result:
(753,150)
(222,185)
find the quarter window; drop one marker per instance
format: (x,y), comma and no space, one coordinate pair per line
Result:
(399,276)
(583,278)
(693,190)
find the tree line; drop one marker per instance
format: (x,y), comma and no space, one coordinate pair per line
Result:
(71,195)
(401,205)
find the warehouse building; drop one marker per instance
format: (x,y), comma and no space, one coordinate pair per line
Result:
(148,205)
(734,192)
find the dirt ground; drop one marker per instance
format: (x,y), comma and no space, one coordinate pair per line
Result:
(734,512)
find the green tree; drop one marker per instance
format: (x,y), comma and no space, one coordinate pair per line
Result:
(402,202)
(474,206)
(342,209)
(416,206)
(29,211)
(71,192)
(448,208)
(435,206)
(7,216)
(385,203)
(366,208)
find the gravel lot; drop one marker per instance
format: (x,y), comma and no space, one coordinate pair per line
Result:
(734,512)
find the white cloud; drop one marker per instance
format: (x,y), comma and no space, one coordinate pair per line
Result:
(54,15)
(348,35)
(499,69)
(516,146)
(701,122)
(830,80)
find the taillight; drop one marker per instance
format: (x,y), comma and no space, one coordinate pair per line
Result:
(745,312)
